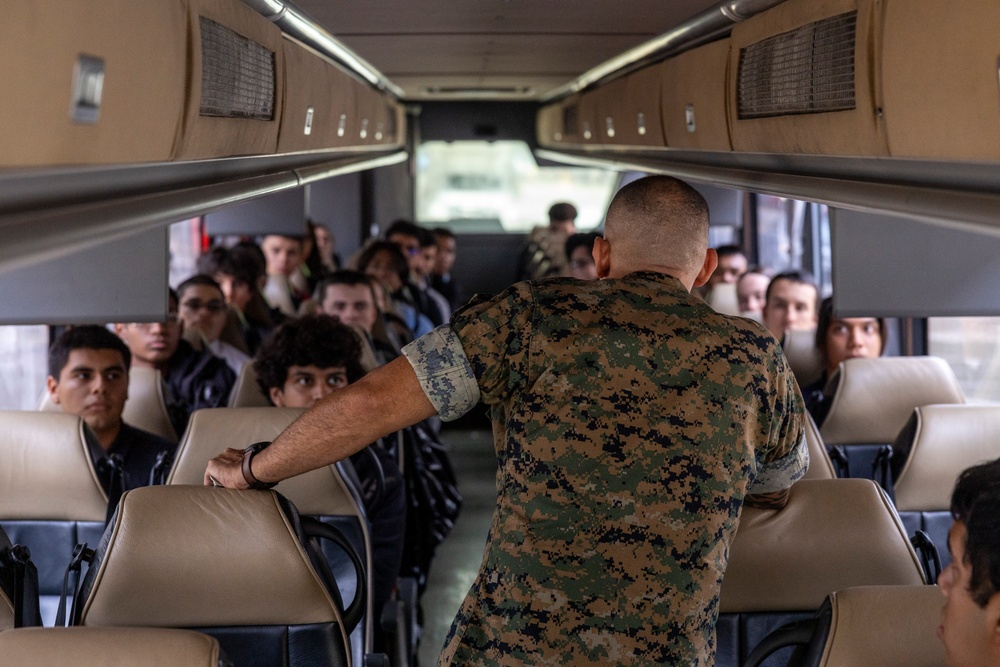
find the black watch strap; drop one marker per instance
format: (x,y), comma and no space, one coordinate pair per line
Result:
(248,476)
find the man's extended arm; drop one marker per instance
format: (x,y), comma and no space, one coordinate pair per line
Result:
(384,401)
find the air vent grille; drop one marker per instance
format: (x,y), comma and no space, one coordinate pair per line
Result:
(807,70)
(237,74)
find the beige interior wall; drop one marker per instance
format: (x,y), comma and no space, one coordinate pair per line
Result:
(206,136)
(142,45)
(940,61)
(858,132)
(697,79)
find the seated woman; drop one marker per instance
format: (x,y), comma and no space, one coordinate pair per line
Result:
(839,339)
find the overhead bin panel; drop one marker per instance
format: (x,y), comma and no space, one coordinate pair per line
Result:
(940,62)
(235,96)
(379,118)
(628,110)
(88,82)
(319,104)
(803,80)
(694,98)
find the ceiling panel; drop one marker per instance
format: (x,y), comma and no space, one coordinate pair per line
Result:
(531,45)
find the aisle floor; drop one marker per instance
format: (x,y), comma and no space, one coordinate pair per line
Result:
(457,560)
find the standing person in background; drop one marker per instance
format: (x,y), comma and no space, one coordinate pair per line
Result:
(562,219)
(441,278)
(599,389)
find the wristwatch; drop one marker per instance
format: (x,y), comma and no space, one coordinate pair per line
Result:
(248,454)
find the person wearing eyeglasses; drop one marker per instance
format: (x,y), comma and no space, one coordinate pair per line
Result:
(203,311)
(195,379)
(580,256)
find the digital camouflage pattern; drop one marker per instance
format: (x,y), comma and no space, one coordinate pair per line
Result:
(630,422)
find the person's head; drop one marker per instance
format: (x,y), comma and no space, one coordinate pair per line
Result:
(447,247)
(580,255)
(202,306)
(751,290)
(408,237)
(562,218)
(970,618)
(305,359)
(325,243)
(842,338)
(350,297)
(240,271)
(385,261)
(657,223)
(790,303)
(283,254)
(428,255)
(88,377)
(152,344)
(732,265)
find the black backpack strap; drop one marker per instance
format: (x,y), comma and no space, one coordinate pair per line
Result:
(111,472)
(20,580)
(314,528)
(81,555)
(158,475)
(928,552)
(838,457)
(882,471)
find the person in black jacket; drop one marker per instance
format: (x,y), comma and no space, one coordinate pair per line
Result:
(195,379)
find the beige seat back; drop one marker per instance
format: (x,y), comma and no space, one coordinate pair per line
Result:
(888,626)
(246,392)
(722,299)
(832,534)
(944,440)
(109,647)
(873,398)
(146,407)
(820,465)
(803,357)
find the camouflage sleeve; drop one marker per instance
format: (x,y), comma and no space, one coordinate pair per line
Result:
(785,458)
(444,372)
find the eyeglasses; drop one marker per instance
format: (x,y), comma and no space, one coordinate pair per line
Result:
(580,263)
(145,326)
(213,306)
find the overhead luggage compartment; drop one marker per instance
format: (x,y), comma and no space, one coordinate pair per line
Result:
(803,80)
(319,102)
(629,109)
(694,98)
(379,119)
(940,61)
(87,82)
(236,84)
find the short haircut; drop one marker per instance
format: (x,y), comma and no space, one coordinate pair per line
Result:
(311,340)
(404,227)
(583,240)
(198,279)
(562,211)
(799,277)
(345,277)
(660,220)
(89,337)
(243,262)
(826,318)
(729,250)
(426,238)
(976,503)
(442,233)
(399,264)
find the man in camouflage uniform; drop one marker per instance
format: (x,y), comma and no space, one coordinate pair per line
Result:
(631,422)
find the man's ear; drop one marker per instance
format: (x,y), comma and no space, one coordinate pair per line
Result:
(51,383)
(602,257)
(708,268)
(277,397)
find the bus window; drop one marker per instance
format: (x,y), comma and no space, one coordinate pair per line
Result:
(794,234)
(23,366)
(969,345)
(497,186)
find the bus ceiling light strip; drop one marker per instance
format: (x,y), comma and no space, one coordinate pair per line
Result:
(294,23)
(696,31)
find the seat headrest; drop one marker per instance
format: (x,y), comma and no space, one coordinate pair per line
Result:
(6,612)
(885,625)
(832,534)
(45,469)
(108,647)
(722,299)
(873,398)
(146,407)
(197,556)
(820,465)
(246,392)
(943,440)
(803,357)
(318,492)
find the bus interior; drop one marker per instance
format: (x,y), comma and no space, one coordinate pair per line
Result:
(857,140)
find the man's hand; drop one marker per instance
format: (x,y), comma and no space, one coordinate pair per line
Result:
(226,470)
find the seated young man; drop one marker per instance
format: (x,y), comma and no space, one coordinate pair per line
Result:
(350,297)
(970,619)
(195,379)
(301,362)
(88,377)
